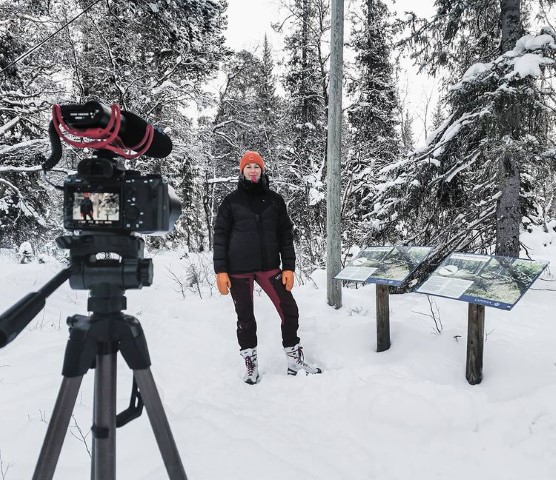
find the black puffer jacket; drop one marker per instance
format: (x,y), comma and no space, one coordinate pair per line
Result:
(253,231)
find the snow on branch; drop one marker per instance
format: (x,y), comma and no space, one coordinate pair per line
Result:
(25,209)
(13,169)
(524,60)
(393,166)
(458,168)
(529,65)
(222,180)
(8,126)
(15,149)
(534,42)
(227,122)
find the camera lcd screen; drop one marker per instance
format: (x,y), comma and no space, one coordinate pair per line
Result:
(96,208)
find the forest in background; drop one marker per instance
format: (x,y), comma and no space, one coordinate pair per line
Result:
(487,170)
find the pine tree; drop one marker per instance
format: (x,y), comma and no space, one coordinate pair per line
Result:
(236,124)
(268,104)
(406,133)
(187,172)
(375,140)
(438,116)
(303,161)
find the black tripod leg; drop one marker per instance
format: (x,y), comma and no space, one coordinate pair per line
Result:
(159,424)
(57,428)
(104,419)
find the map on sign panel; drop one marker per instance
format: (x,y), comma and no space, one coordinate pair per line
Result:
(385,265)
(493,281)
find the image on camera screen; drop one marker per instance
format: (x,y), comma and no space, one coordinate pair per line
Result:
(98,208)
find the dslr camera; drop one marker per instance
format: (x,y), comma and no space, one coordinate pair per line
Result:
(103,195)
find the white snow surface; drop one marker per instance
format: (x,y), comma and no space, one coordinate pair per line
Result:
(407,413)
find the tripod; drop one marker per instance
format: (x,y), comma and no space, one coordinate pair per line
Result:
(93,343)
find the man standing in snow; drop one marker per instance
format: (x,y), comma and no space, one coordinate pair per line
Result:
(252,234)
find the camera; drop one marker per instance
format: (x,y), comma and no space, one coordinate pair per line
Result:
(103,196)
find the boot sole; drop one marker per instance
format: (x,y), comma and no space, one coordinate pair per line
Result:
(251,382)
(294,372)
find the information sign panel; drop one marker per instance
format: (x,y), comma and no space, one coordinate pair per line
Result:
(493,281)
(384,265)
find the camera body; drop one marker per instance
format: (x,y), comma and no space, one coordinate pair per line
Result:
(104,197)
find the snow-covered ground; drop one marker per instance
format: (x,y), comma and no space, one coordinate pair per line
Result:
(407,413)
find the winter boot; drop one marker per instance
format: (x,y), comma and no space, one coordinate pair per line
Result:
(252,371)
(296,361)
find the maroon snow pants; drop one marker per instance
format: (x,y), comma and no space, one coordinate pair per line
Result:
(242,294)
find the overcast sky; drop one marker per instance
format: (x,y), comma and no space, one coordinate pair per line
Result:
(249,20)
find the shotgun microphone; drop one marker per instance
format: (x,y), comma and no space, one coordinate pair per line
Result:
(133,128)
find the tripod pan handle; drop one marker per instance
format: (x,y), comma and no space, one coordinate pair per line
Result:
(18,316)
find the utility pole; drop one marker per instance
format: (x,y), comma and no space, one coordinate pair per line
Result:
(334,155)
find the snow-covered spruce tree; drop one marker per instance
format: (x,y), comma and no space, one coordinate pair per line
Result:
(270,107)
(26,210)
(438,117)
(462,191)
(406,133)
(374,134)
(238,121)
(303,158)
(186,170)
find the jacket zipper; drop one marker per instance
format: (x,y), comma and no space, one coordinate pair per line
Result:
(264,260)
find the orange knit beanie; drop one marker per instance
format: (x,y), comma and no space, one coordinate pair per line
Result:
(251,157)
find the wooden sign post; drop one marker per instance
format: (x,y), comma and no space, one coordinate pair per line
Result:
(475,343)
(382,317)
